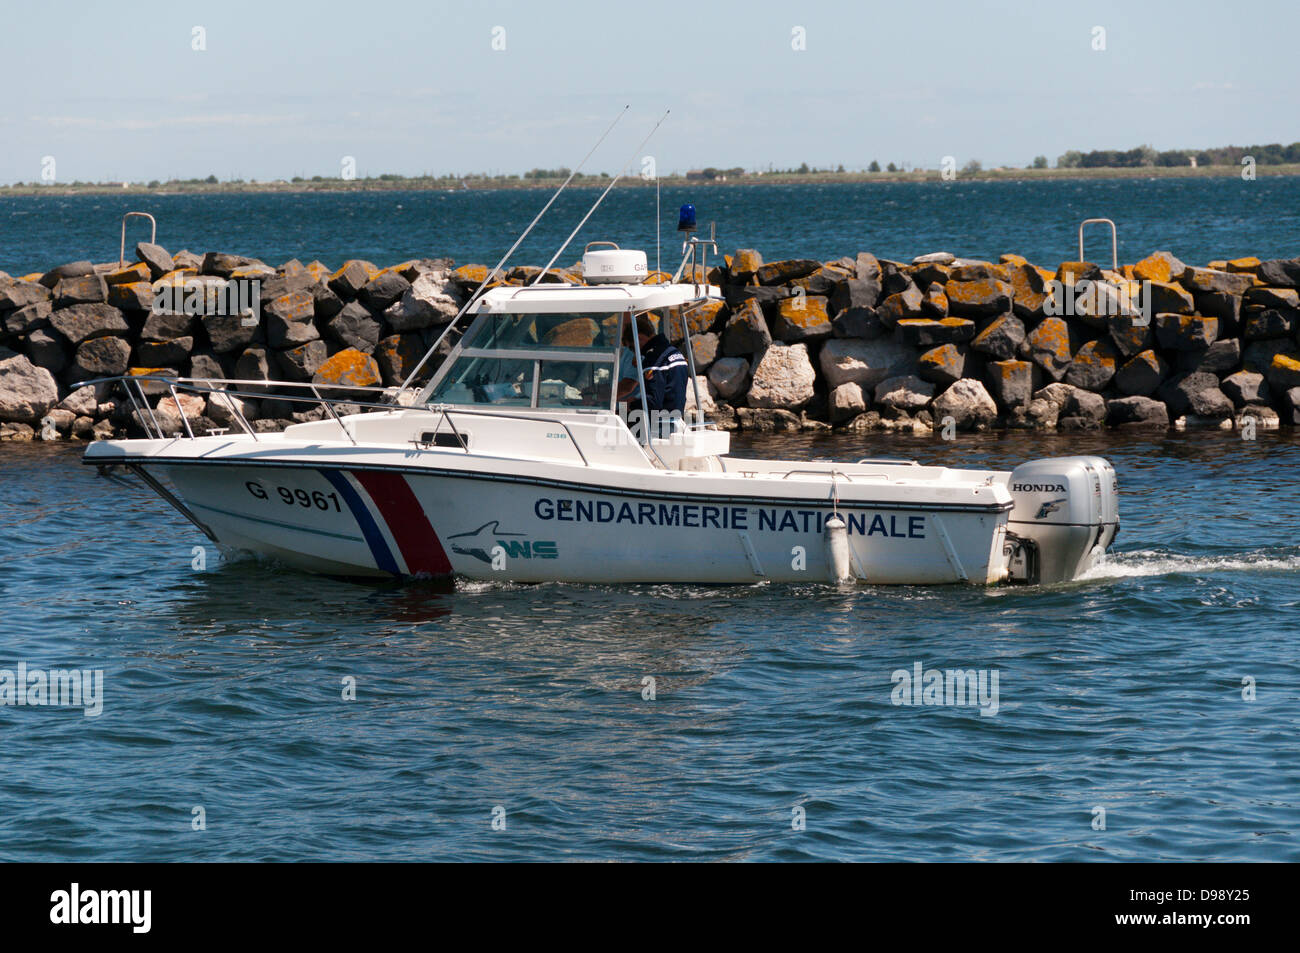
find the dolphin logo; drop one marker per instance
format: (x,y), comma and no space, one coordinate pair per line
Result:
(478,543)
(1051,506)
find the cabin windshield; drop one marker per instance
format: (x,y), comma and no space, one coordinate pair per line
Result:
(534,360)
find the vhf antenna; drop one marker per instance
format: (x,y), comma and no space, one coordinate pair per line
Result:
(593,208)
(492,274)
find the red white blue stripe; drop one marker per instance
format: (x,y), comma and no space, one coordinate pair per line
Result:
(392,521)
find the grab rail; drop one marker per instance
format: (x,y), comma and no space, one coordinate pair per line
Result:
(692,250)
(556,286)
(153,234)
(447,410)
(830,473)
(134,385)
(1114,240)
(835,487)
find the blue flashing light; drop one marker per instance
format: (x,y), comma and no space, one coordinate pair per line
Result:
(686,218)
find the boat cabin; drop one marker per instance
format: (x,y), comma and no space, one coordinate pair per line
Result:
(557,346)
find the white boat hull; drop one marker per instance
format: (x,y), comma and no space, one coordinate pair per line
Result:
(533,498)
(393,523)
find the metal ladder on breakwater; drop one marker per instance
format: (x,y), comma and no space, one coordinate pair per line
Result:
(1114,240)
(153,235)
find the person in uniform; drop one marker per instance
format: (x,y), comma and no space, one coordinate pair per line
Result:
(665,373)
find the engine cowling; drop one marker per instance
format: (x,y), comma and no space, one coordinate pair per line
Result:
(1065,515)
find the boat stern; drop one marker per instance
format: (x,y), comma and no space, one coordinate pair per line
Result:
(1066,515)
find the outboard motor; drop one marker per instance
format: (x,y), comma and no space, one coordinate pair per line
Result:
(1066,514)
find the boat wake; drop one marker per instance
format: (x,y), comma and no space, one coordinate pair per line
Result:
(1150,562)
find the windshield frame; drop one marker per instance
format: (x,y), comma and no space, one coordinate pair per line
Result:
(478,346)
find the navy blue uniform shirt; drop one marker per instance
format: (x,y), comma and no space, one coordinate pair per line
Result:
(666,387)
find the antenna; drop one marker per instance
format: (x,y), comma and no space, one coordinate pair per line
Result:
(492,274)
(595,206)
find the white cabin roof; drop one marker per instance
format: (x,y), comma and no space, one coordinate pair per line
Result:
(598,299)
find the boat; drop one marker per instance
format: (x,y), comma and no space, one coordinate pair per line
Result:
(516,462)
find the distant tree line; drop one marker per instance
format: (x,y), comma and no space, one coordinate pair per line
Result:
(804,169)
(1142,156)
(1272,154)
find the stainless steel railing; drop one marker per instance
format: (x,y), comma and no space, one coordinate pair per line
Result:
(222,387)
(1114,240)
(134,387)
(153,234)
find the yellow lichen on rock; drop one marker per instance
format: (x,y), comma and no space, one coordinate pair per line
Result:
(698,320)
(177,277)
(1071,271)
(942,364)
(1158,266)
(349,367)
(471,274)
(745,263)
(128,275)
(808,311)
(134,295)
(398,268)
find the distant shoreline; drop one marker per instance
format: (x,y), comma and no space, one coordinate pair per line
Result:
(480,183)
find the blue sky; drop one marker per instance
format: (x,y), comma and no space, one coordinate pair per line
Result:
(116,91)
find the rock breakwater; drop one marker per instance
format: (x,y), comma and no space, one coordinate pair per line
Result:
(857,343)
